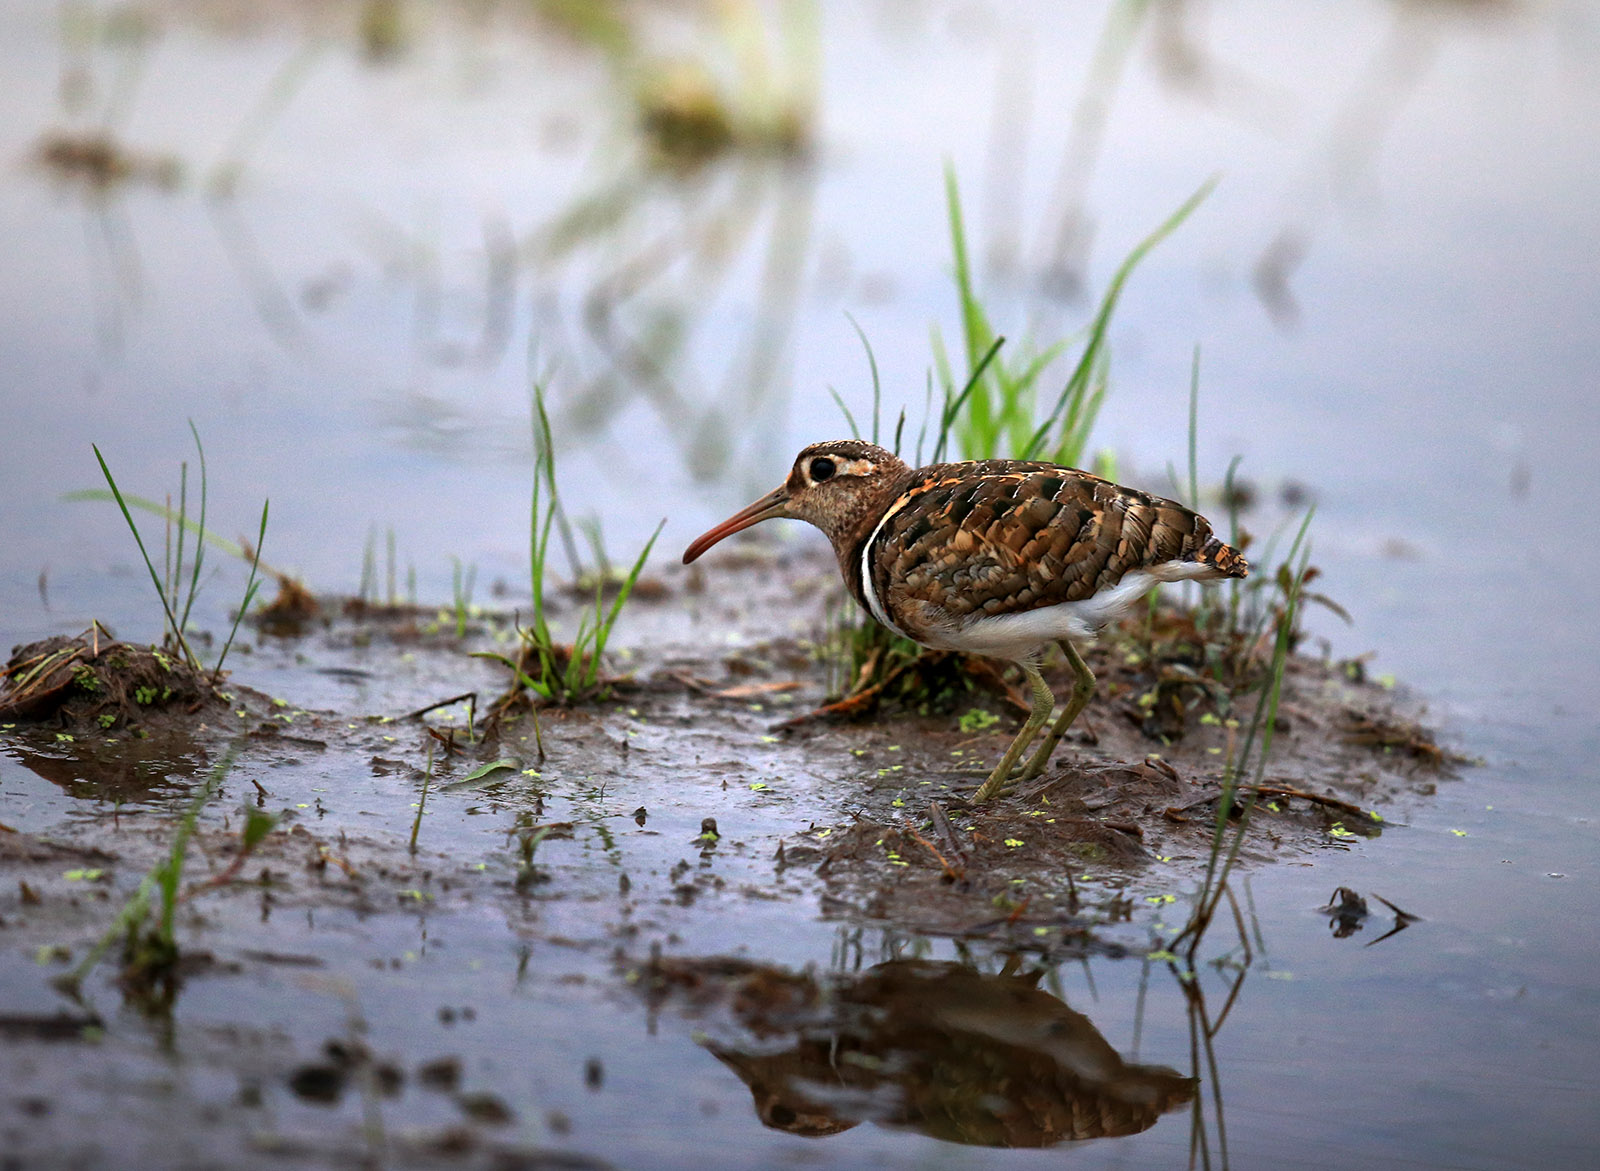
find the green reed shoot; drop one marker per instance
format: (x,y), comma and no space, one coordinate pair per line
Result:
(170,515)
(1063,436)
(199,546)
(367,588)
(997,414)
(178,584)
(176,600)
(172,634)
(461,586)
(555,672)
(996,417)
(389,564)
(251,586)
(877,393)
(422,801)
(150,950)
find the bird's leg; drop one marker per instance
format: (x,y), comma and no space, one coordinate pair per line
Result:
(1082,690)
(1043,701)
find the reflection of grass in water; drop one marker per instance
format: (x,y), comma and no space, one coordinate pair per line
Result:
(652,256)
(1206,1123)
(1181,952)
(681,209)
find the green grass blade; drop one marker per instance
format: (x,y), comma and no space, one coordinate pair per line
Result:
(927,413)
(1194,428)
(1218,864)
(581,670)
(1235,586)
(953,406)
(231,548)
(975,325)
(422,801)
(199,545)
(1280,655)
(603,632)
(251,586)
(132,916)
(1280,658)
(538,687)
(849,419)
(367,589)
(1255,723)
(877,384)
(1081,374)
(148,564)
(171,871)
(174,576)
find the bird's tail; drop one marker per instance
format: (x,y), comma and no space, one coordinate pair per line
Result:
(1225,559)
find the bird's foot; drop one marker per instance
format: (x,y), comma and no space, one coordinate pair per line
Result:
(999,785)
(1003,786)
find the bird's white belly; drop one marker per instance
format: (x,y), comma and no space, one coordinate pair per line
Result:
(1021,636)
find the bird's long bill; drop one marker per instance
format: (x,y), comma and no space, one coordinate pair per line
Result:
(770,505)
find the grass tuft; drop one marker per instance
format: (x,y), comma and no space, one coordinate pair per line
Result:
(995,415)
(545,670)
(178,584)
(172,633)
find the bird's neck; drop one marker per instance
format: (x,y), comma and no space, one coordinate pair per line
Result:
(853,530)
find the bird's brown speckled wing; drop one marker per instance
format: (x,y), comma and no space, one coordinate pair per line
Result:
(1002,537)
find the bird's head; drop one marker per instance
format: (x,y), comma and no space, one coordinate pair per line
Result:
(834,485)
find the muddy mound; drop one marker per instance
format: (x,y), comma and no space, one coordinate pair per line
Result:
(90,682)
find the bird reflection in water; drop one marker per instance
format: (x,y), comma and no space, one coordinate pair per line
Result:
(938,1048)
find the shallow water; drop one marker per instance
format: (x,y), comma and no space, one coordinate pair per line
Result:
(344,333)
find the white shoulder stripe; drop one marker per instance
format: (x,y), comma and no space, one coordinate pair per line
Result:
(867,590)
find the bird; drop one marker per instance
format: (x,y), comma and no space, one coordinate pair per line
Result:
(992,557)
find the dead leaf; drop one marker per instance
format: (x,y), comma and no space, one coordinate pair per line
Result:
(751,690)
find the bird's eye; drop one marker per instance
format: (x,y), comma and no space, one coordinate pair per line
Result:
(821,469)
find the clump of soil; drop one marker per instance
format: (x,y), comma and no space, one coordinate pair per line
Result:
(290,611)
(92,683)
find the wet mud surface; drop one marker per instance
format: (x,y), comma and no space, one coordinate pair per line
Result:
(675,865)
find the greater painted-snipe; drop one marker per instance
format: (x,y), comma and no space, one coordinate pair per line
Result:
(991,557)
